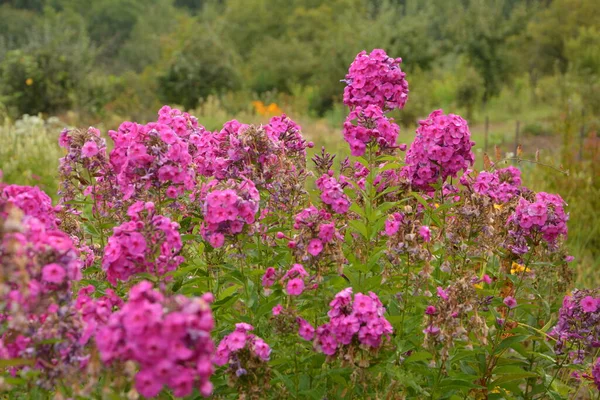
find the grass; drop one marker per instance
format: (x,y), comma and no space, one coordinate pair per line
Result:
(29,153)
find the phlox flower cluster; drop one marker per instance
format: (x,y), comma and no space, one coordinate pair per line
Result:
(541,220)
(500,185)
(272,156)
(376,79)
(227,207)
(169,337)
(96,311)
(256,153)
(148,242)
(305,330)
(246,355)
(210,155)
(332,192)
(441,149)
(393,223)
(577,330)
(317,236)
(284,130)
(596,373)
(33,202)
(182,123)
(407,236)
(353,320)
(295,280)
(155,156)
(38,263)
(368,124)
(85,168)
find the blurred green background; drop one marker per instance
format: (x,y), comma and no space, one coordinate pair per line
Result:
(534,64)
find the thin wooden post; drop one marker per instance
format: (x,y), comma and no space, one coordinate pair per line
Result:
(516,139)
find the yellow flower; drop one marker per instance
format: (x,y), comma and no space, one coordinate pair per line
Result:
(436,205)
(273,109)
(495,390)
(478,286)
(517,268)
(29,81)
(498,207)
(259,107)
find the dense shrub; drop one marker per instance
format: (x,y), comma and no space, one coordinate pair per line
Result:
(204,66)
(394,277)
(46,74)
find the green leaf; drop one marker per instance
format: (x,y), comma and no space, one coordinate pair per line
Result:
(286,381)
(509,341)
(458,383)
(512,377)
(359,227)
(15,362)
(420,199)
(355,208)
(419,356)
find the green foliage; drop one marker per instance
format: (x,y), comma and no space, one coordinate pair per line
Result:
(110,22)
(144,47)
(260,46)
(204,66)
(45,75)
(15,26)
(470,90)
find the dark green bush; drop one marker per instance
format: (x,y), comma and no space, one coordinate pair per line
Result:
(204,66)
(46,73)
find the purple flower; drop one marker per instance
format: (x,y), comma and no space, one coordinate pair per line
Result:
(425,233)
(315,247)
(510,302)
(589,304)
(430,310)
(277,309)
(53,273)
(596,373)
(268,278)
(441,149)
(89,149)
(295,287)
(305,330)
(442,293)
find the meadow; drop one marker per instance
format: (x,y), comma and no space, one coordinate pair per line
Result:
(260,199)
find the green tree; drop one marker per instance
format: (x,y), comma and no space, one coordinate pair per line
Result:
(46,73)
(205,65)
(144,46)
